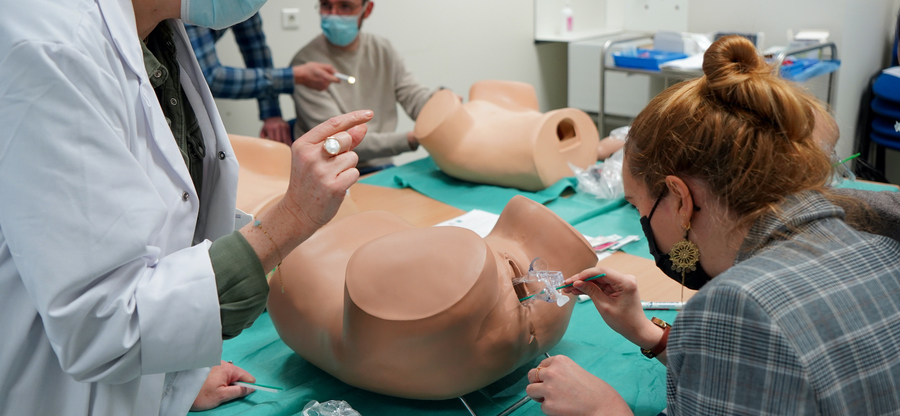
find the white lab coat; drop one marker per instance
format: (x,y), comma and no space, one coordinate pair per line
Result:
(108,300)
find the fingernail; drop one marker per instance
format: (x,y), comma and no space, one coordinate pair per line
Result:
(368,113)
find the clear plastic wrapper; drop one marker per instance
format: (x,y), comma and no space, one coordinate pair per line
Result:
(329,408)
(620,133)
(604,179)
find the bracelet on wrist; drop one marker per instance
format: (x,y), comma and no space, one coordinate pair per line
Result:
(661,345)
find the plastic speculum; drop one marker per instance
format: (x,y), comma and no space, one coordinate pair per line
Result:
(544,283)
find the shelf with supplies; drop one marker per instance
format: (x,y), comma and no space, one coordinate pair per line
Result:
(670,74)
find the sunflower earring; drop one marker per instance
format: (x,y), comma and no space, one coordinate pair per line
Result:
(684,256)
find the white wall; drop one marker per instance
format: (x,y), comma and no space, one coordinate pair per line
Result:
(456,43)
(444,43)
(861,29)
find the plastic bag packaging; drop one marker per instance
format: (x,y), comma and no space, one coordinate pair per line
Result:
(620,133)
(604,179)
(329,408)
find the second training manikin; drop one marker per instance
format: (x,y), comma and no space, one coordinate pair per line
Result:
(424,313)
(500,138)
(265,170)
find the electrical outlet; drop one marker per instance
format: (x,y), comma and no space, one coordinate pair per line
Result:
(290,19)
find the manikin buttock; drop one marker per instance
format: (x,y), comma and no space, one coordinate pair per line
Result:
(424,313)
(500,138)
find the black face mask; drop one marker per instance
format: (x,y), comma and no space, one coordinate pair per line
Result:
(692,279)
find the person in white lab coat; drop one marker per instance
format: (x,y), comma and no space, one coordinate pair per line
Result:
(114,300)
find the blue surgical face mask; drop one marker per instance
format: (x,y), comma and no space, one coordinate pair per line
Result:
(218,14)
(340,30)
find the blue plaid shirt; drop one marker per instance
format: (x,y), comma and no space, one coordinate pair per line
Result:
(258,80)
(804,323)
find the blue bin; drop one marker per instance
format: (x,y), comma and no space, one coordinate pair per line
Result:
(644,58)
(803,69)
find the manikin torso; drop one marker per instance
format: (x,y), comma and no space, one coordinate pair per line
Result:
(264,174)
(424,313)
(500,138)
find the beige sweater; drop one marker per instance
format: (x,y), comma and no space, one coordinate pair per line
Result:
(381,81)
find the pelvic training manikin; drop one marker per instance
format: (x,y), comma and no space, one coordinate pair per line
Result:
(425,313)
(500,138)
(264,173)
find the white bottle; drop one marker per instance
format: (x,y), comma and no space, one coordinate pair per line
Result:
(566,26)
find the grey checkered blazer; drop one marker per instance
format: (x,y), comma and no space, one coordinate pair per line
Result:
(807,322)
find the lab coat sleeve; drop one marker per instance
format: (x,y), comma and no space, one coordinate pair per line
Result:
(86,223)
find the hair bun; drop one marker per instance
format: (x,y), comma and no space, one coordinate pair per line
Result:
(737,77)
(731,60)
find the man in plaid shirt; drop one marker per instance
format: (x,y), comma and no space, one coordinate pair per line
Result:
(260,79)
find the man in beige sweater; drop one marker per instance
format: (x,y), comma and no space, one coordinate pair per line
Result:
(381,81)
